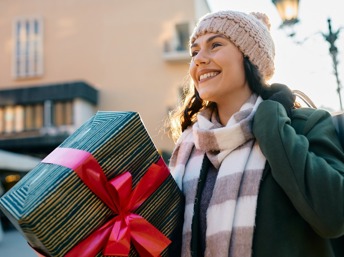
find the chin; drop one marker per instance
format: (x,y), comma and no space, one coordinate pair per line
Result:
(206,98)
(204,95)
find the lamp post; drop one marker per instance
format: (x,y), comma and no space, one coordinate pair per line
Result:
(288,11)
(331,38)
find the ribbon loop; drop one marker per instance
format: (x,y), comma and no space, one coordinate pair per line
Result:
(119,239)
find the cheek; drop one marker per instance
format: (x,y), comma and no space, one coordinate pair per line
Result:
(236,68)
(192,71)
(241,71)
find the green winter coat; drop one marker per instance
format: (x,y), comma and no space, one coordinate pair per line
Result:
(300,210)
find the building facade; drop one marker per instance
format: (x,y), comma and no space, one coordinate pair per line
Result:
(61,61)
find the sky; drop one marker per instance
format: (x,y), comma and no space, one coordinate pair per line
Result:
(307,66)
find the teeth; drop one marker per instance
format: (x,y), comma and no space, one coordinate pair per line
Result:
(208,75)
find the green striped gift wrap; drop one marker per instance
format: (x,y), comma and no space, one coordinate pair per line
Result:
(55,210)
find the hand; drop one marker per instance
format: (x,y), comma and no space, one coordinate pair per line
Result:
(282,94)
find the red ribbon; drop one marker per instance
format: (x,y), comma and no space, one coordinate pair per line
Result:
(126,227)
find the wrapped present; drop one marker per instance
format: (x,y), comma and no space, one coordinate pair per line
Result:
(105,191)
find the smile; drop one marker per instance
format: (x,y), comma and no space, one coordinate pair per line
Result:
(208,75)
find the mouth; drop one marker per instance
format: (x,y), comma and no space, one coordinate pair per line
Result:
(208,75)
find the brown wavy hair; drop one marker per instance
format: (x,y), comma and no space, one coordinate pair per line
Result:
(185,114)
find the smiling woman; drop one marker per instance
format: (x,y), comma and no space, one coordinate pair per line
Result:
(249,163)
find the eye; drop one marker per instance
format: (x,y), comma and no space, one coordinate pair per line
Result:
(193,53)
(215,44)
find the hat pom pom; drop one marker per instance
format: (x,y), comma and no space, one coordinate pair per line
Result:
(263,18)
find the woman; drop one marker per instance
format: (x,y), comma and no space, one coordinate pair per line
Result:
(260,177)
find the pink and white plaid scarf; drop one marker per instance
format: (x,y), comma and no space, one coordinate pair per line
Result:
(240,163)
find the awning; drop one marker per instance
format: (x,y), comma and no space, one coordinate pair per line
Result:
(17,162)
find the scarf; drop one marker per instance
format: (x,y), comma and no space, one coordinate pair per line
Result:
(235,153)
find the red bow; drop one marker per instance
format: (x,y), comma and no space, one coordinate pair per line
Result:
(116,235)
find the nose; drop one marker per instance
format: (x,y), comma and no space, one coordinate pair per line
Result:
(201,57)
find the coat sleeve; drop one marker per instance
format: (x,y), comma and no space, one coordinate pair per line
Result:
(307,162)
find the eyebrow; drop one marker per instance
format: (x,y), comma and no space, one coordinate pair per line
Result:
(209,39)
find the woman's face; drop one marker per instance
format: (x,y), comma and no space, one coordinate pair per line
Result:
(217,68)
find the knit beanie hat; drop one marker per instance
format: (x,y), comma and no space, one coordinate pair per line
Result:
(249,32)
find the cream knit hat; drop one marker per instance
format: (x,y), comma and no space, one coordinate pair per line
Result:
(249,32)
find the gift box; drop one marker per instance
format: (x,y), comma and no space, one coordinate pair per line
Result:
(105,191)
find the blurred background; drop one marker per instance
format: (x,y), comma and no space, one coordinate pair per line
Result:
(62,61)
(300,30)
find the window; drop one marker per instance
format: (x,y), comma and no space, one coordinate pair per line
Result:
(18,118)
(2,119)
(28,120)
(176,48)
(9,119)
(28,48)
(182,36)
(63,113)
(33,117)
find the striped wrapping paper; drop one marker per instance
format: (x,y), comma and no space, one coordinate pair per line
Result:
(54,210)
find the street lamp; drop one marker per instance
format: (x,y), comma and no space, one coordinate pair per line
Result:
(288,11)
(331,38)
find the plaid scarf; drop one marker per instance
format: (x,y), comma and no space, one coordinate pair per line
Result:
(240,163)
